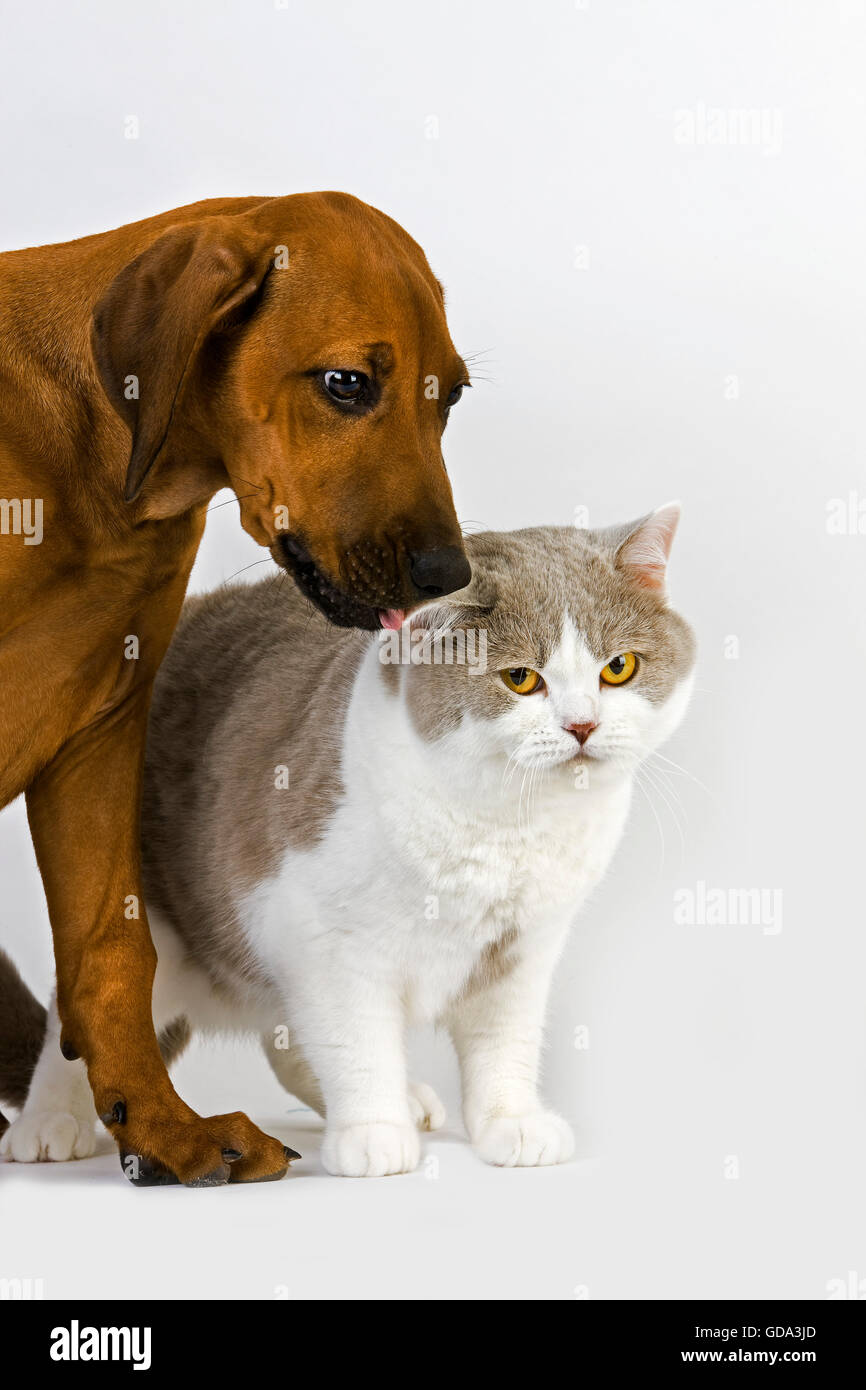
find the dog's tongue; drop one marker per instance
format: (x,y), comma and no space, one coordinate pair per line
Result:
(391,618)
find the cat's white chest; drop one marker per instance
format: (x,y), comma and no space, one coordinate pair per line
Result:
(456,886)
(480,892)
(414,896)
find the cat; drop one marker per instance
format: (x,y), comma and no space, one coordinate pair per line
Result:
(346,834)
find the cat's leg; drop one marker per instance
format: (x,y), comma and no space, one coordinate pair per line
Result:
(352,1034)
(294,1073)
(497,1032)
(58,1120)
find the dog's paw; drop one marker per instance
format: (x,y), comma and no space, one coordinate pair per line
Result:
(524,1141)
(53,1135)
(425,1107)
(371,1151)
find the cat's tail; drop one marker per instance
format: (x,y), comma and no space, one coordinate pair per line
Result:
(22,1033)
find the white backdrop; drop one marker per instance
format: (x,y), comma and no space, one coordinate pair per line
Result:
(650,220)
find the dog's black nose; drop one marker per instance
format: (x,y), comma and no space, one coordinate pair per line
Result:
(440,571)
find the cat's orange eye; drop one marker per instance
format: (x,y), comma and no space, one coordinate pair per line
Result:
(522,680)
(620,669)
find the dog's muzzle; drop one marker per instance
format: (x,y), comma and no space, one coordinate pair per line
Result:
(378,583)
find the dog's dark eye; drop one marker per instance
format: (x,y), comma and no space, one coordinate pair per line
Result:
(346,386)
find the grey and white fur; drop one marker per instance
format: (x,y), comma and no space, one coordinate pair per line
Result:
(337,847)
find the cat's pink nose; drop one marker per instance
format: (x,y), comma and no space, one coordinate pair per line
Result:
(581,731)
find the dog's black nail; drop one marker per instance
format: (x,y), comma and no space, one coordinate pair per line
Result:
(232,1155)
(142,1172)
(290,1153)
(69,1052)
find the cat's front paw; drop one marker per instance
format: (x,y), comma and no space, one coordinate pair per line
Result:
(52,1135)
(371,1151)
(524,1141)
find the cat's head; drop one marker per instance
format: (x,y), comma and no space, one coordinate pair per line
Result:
(562,651)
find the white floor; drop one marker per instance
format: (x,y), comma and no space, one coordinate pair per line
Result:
(658,1221)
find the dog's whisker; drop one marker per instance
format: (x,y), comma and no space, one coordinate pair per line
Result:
(216,506)
(266,561)
(249,482)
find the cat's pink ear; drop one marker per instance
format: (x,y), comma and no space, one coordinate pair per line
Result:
(645,552)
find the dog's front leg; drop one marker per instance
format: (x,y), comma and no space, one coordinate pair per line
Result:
(84,810)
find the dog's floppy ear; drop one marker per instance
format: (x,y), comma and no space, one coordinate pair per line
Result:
(153,319)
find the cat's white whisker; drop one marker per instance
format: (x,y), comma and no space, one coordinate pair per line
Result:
(682,771)
(511,763)
(639,782)
(659,788)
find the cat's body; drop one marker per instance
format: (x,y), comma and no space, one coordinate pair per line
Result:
(337,847)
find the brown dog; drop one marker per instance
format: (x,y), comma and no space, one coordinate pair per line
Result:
(294,349)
